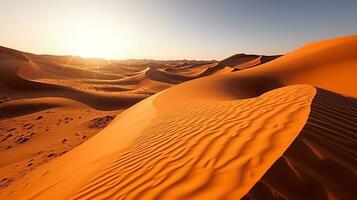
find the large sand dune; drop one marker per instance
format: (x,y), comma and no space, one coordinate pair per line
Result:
(285,129)
(192,149)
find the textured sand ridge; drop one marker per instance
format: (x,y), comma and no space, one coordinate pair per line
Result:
(209,150)
(322,162)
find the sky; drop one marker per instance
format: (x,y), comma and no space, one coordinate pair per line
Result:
(167,29)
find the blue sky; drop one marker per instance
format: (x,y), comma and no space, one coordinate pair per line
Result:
(191,29)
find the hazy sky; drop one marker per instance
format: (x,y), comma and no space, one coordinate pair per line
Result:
(191,29)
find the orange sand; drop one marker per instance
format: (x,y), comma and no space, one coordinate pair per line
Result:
(230,135)
(321,162)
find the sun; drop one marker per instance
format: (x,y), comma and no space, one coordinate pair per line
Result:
(97,40)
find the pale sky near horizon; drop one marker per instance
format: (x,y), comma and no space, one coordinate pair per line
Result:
(158,29)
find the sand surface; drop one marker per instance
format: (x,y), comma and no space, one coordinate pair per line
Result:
(257,127)
(321,163)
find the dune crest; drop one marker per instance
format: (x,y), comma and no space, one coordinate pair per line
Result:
(182,152)
(321,163)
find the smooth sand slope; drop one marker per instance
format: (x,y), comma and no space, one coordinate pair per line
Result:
(245,134)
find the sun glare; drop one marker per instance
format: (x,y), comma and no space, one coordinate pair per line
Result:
(97,40)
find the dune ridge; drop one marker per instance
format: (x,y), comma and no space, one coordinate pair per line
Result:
(166,154)
(238,62)
(321,163)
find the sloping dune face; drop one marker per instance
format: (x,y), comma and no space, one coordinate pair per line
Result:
(328,64)
(192,150)
(208,151)
(321,163)
(238,62)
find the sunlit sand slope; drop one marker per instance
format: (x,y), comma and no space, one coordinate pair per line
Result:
(329,64)
(193,150)
(322,162)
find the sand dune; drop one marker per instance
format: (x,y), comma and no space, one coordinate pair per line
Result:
(74,98)
(327,64)
(284,129)
(16,87)
(239,62)
(86,81)
(177,150)
(321,163)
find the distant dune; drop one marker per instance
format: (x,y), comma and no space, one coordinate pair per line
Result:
(249,126)
(239,62)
